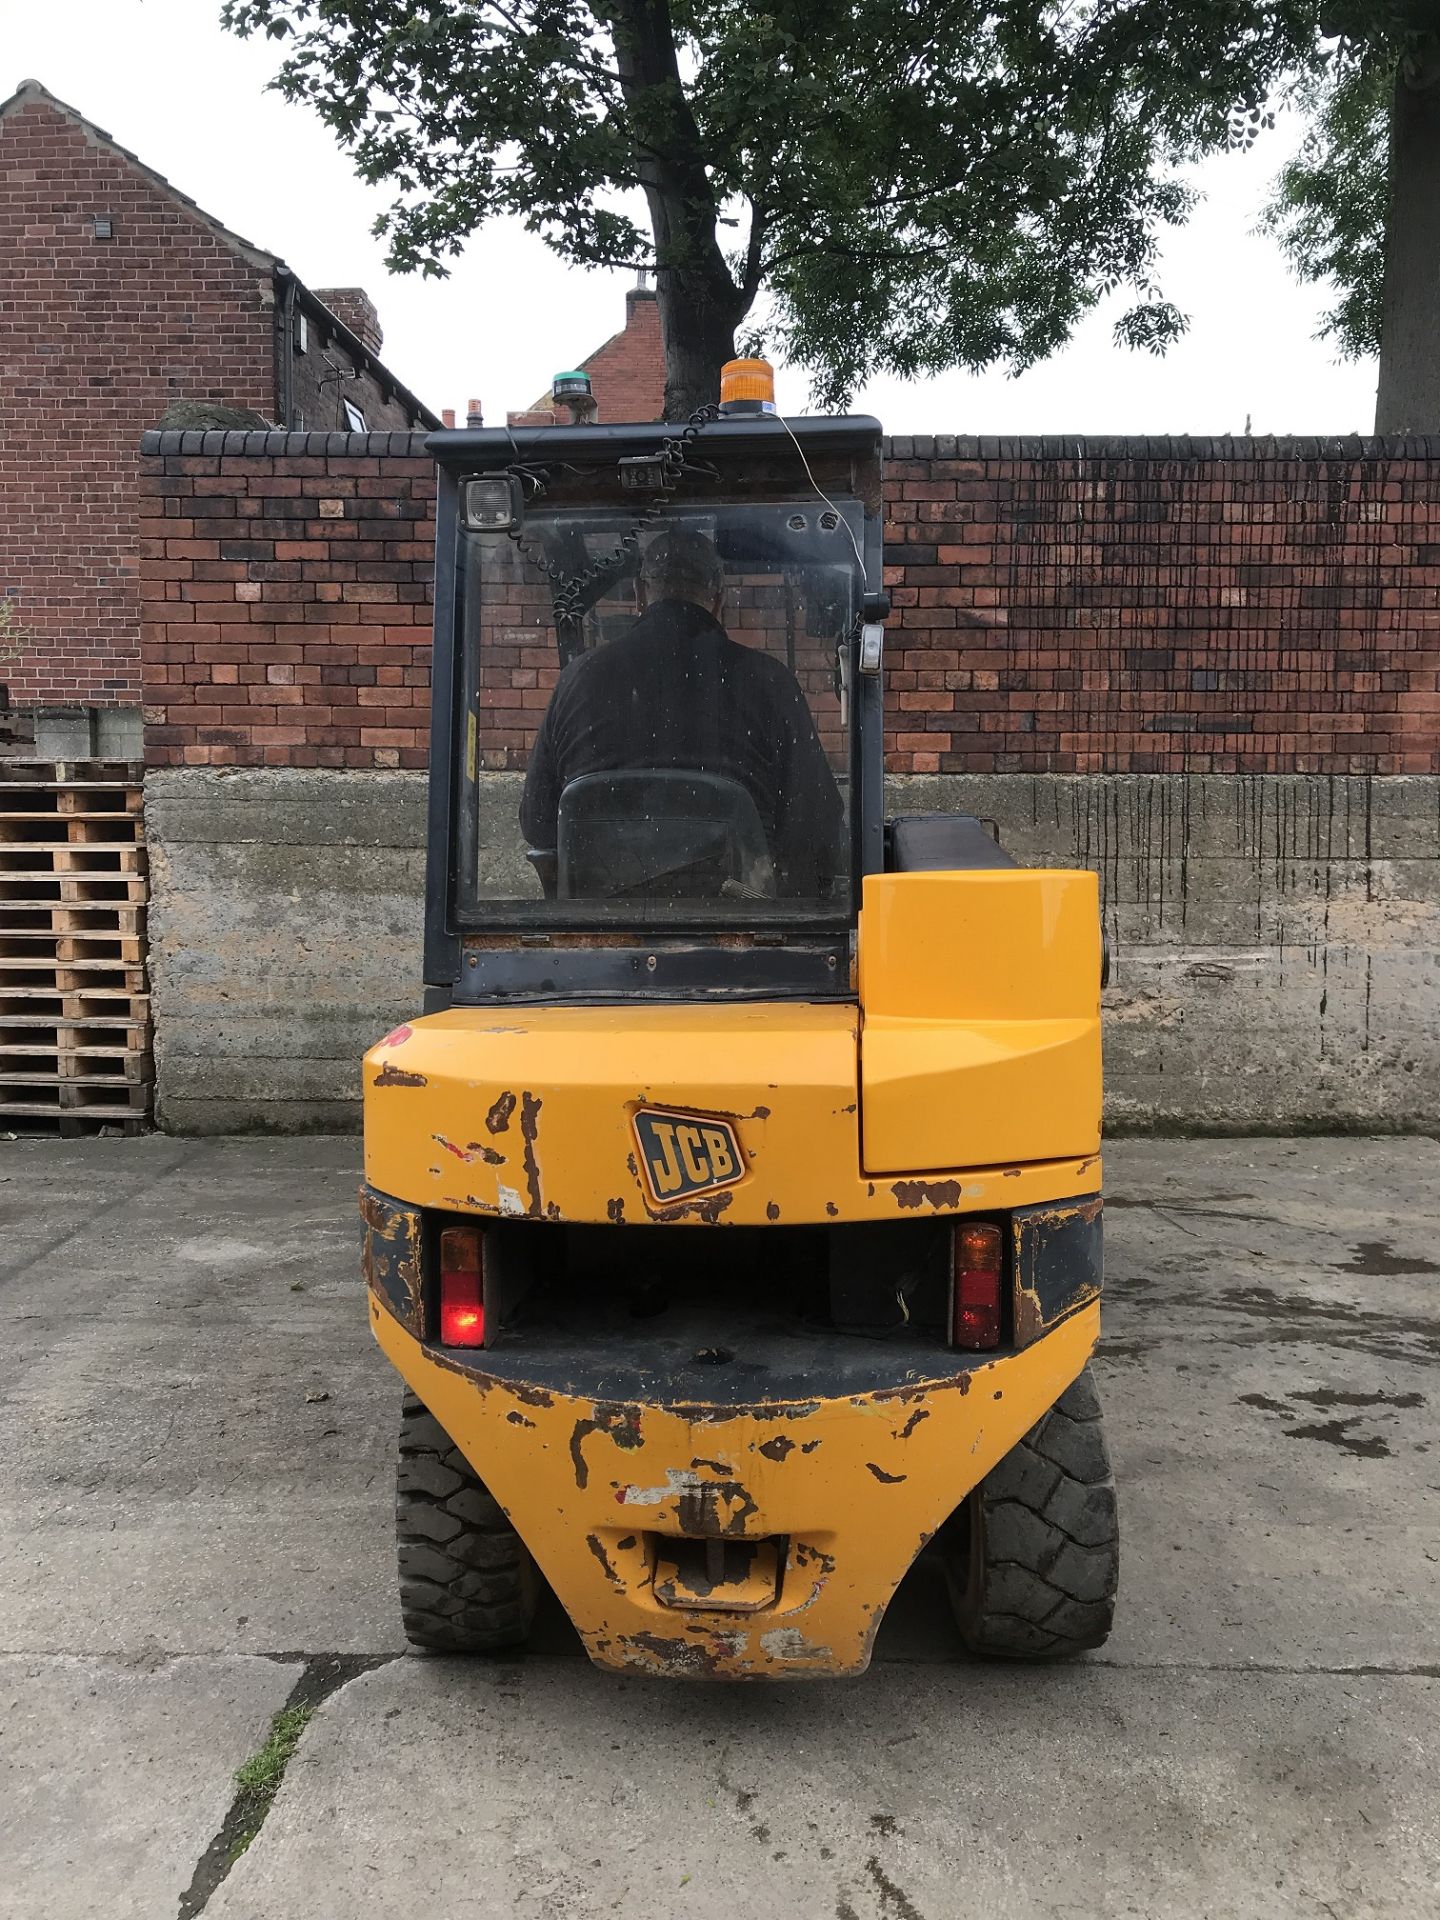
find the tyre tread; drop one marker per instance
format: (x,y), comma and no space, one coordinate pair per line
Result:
(1048,1524)
(467,1582)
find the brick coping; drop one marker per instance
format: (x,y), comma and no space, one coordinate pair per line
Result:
(268,443)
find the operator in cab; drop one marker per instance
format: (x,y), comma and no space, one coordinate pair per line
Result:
(677,692)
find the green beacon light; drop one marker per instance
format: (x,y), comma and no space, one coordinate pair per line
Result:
(572,392)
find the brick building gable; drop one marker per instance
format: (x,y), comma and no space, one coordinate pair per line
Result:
(122,296)
(627,373)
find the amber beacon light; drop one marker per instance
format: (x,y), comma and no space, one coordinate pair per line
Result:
(747,386)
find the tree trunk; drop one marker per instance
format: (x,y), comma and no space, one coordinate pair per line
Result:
(700,305)
(698,318)
(1408,398)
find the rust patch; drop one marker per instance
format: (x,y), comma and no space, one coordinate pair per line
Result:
(832,1209)
(597,1547)
(390,1259)
(532,1396)
(669,1656)
(715,1509)
(627,1544)
(518,1419)
(806,1555)
(478,1150)
(1045,1289)
(393,1076)
(886,1479)
(620,1422)
(777,1448)
(529,1127)
(1011,1173)
(498,1118)
(772,1211)
(615,1212)
(706,1207)
(808,1446)
(920,1413)
(929,1193)
(1029,1316)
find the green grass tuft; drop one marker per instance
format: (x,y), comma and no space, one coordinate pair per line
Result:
(259,1779)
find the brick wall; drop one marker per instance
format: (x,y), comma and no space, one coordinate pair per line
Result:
(1164,606)
(1127,606)
(287,616)
(97,336)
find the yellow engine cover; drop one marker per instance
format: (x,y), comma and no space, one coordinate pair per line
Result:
(546,1113)
(981,999)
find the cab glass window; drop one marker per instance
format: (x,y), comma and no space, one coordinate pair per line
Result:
(656,721)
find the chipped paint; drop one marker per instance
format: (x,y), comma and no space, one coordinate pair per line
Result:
(498,1118)
(929,1193)
(529,1130)
(1057,1262)
(848,1548)
(509,1201)
(789,1644)
(777,1448)
(477,1150)
(597,1547)
(393,1076)
(390,1257)
(620,1423)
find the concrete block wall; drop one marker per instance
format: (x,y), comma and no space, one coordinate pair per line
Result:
(1275,939)
(285,939)
(1213,676)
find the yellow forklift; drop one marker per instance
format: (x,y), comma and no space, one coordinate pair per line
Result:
(732,1211)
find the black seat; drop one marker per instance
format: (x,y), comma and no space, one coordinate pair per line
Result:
(675,832)
(943,843)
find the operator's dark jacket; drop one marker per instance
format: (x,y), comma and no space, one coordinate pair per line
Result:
(677,691)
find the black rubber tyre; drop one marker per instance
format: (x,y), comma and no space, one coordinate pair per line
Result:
(1033,1556)
(467,1583)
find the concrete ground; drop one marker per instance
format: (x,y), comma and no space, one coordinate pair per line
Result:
(195,1519)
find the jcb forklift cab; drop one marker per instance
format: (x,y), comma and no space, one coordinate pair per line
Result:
(732,1212)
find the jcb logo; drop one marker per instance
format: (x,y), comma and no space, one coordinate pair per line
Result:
(685,1153)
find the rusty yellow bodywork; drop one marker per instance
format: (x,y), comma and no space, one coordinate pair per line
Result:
(963,1076)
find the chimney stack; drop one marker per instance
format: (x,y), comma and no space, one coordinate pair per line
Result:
(474,417)
(355,307)
(447,417)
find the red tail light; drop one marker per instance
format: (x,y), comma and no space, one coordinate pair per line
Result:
(979,1263)
(462,1303)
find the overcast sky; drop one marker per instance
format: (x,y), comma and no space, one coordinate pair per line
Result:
(164,80)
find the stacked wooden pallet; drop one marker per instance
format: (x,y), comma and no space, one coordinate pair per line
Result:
(74,1007)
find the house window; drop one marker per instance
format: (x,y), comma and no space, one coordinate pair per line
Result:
(354,418)
(302,334)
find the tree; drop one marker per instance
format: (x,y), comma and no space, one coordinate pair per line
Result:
(872,186)
(1359,205)
(904,185)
